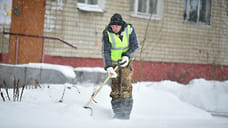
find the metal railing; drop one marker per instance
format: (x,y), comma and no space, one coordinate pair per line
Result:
(36,36)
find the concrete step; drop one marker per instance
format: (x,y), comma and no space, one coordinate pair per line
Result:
(38,73)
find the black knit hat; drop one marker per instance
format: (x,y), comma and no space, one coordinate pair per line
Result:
(116,19)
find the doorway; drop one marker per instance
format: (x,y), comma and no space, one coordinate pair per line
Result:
(27,18)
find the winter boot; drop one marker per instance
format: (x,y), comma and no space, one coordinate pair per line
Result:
(122,108)
(126,108)
(116,107)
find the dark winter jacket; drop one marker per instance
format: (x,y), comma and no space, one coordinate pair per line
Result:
(106,47)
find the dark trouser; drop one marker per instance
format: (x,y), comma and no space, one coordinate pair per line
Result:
(121,93)
(121,86)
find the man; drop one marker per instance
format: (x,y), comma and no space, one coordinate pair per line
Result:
(119,45)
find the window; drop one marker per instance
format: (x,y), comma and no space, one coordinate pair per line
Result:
(197,11)
(144,8)
(89,2)
(91,5)
(147,6)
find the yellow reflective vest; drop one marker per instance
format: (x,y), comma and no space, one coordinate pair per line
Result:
(118,46)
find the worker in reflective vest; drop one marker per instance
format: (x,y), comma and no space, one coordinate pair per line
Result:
(120,44)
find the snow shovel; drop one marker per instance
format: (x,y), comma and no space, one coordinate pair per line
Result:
(98,90)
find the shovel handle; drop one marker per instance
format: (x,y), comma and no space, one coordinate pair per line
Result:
(98,90)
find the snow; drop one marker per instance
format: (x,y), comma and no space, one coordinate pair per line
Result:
(66,70)
(89,8)
(94,69)
(164,104)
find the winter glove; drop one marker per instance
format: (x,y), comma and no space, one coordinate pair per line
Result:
(111,72)
(124,61)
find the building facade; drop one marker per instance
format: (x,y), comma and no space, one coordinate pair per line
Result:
(180,39)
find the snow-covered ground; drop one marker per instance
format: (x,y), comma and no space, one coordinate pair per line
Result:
(163,104)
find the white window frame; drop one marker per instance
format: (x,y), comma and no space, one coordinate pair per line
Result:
(157,16)
(187,13)
(99,7)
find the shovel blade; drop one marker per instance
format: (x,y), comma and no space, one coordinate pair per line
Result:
(91,110)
